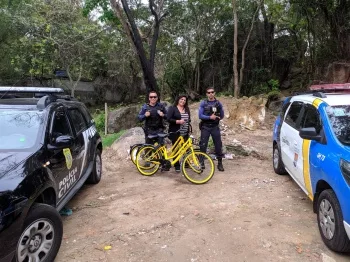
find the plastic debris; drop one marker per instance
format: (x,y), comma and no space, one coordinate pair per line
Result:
(66,211)
(107,247)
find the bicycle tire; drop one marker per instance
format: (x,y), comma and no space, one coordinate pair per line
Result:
(143,158)
(192,161)
(133,152)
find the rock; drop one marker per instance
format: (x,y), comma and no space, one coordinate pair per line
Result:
(122,145)
(126,117)
(338,72)
(123,118)
(237,148)
(286,84)
(326,258)
(276,106)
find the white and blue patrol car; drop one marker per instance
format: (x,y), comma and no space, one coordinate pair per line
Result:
(311,142)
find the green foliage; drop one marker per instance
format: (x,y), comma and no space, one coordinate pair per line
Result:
(194,48)
(99,119)
(109,139)
(274,84)
(271,86)
(224,93)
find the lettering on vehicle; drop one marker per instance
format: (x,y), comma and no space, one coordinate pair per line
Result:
(285,141)
(321,157)
(91,131)
(67,182)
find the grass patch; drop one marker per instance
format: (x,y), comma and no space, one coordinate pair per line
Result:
(108,140)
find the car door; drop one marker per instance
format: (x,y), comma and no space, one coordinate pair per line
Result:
(290,140)
(63,162)
(310,149)
(79,125)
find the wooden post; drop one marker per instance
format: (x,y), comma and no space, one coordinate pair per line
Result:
(106,118)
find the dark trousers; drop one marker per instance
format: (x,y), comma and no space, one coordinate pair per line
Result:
(173,138)
(214,132)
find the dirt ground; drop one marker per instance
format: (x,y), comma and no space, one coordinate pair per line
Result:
(247,213)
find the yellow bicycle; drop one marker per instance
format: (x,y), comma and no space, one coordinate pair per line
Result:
(196,166)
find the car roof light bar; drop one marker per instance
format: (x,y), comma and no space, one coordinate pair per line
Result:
(330,88)
(46,90)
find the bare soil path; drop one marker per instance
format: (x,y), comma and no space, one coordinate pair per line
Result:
(246,213)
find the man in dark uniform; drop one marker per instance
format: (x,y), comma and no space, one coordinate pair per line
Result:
(210,113)
(152,113)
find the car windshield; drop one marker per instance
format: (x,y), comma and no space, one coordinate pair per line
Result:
(19,129)
(339,117)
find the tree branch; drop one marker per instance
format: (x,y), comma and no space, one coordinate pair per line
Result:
(119,13)
(245,46)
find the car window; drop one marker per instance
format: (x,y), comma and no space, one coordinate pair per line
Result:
(339,117)
(86,114)
(78,120)
(20,129)
(293,114)
(60,125)
(284,109)
(311,118)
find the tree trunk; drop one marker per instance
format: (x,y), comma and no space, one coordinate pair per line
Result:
(241,73)
(148,73)
(236,91)
(269,29)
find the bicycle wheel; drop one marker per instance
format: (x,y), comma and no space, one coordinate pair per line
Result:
(147,160)
(198,167)
(133,152)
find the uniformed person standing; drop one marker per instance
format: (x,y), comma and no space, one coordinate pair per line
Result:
(210,113)
(153,114)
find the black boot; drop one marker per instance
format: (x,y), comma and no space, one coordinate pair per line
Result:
(220,166)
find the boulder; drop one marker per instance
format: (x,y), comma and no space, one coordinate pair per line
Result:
(338,73)
(236,147)
(126,117)
(123,118)
(276,106)
(248,112)
(122,145)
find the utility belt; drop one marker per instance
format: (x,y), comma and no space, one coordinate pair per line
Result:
(153,130)
(208,124)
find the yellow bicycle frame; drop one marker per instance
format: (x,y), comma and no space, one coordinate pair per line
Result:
(178,149)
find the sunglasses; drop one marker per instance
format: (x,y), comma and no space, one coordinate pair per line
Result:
(153,96)
(211,92)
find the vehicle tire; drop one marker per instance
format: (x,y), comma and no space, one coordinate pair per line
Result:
(277,163)
(195,172)
(96,174)
(330,222)
(41,236)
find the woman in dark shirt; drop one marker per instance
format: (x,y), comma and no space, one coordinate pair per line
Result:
(179,119)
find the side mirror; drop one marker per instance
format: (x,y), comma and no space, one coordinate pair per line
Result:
(61,142)
(310,133)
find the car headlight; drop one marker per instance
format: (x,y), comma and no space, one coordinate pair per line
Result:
(345,169)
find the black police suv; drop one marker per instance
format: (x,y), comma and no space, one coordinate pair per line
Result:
(49,147)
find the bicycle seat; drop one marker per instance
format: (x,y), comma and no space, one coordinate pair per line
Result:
(162,135)
(152,136)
